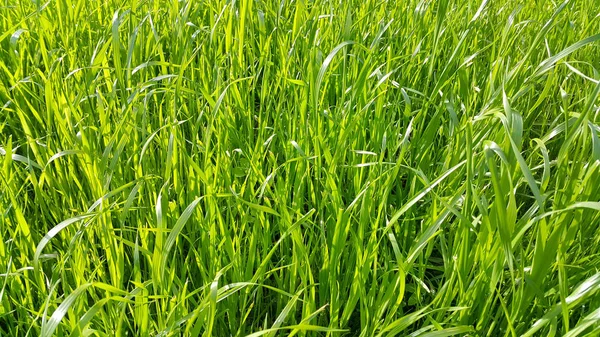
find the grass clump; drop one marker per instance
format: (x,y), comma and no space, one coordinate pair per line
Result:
(310,168)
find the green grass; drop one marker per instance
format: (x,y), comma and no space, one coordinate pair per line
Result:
(295,167)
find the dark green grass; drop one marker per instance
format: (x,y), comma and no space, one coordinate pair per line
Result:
(310,168)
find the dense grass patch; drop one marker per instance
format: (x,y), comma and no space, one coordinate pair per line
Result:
(296,167)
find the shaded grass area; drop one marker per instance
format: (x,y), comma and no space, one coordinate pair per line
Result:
(310,168)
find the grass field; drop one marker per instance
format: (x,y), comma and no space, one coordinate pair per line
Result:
(295,167)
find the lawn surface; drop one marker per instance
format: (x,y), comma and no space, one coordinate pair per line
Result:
(295,167)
